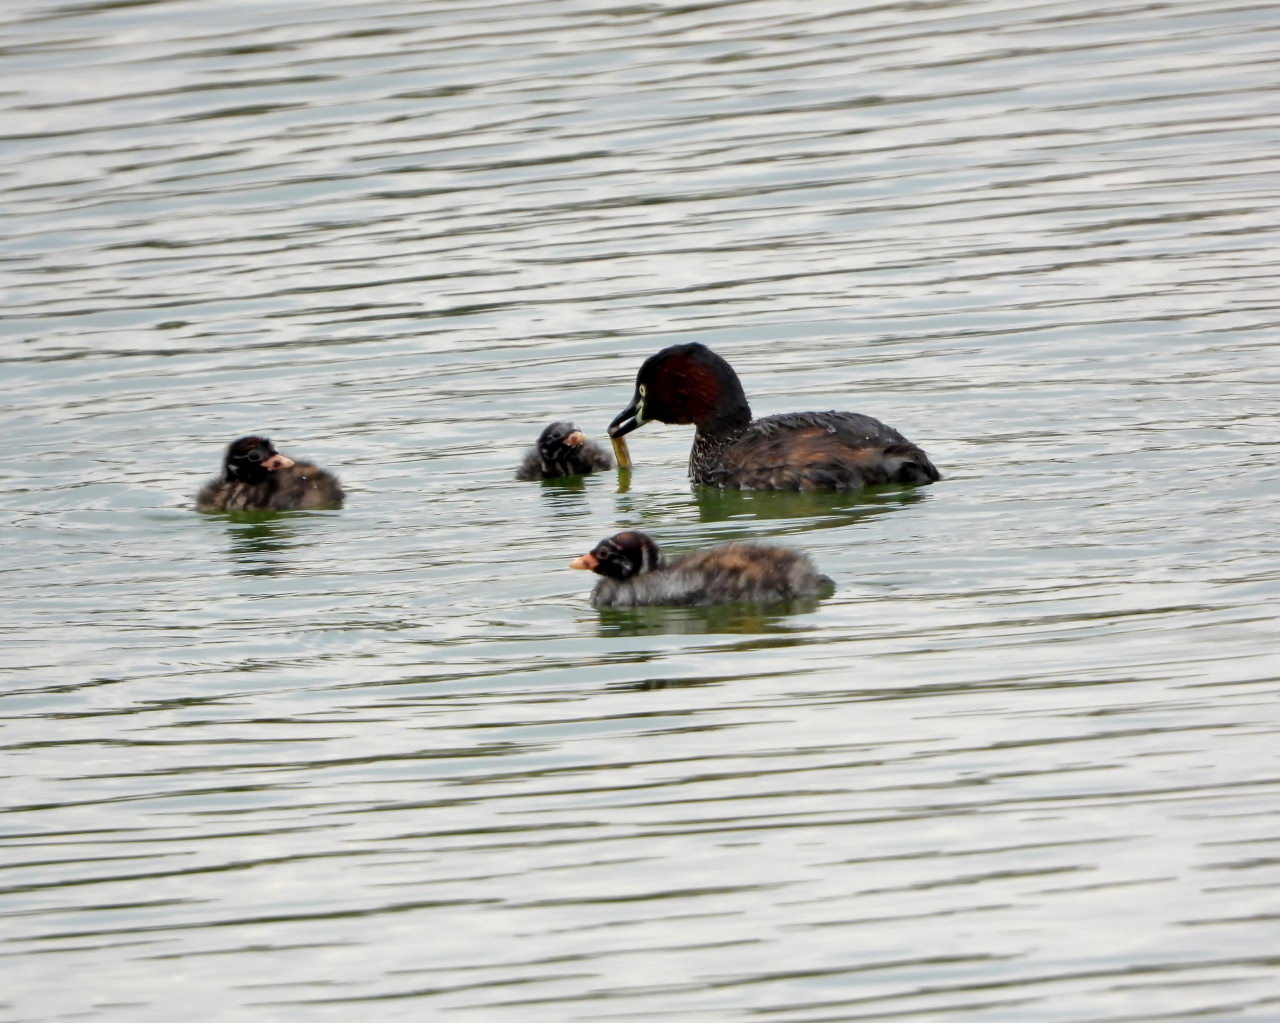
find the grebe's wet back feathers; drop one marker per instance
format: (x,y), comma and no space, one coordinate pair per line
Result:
(813,451)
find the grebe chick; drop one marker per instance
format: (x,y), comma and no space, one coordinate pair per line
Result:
(636,574)
(563,450)
(256,477)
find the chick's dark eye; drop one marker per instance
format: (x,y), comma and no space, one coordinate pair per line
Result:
(256,455)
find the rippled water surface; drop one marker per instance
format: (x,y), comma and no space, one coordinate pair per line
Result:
(388,762)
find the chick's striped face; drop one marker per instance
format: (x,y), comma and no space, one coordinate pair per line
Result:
(612,562)
(551,442)
(252,459)
(625,555)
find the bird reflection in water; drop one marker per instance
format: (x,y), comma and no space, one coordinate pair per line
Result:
(259,542)
(776,620)
(820,509)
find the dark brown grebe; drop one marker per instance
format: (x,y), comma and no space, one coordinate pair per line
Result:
(795,451)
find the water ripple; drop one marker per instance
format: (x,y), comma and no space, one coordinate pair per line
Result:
(1020,766)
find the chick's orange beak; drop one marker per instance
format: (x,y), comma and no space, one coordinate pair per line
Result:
(587,561)
(575,439)
(277,461)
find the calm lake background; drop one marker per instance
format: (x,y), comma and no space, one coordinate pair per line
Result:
(388,762)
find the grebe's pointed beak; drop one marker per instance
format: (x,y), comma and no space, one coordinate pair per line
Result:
(630,418)
(586,561)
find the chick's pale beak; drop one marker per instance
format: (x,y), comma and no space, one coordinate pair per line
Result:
(277,461)
(627,420)
(576,439)
(586,561)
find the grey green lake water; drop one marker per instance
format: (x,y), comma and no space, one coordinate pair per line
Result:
(388,762)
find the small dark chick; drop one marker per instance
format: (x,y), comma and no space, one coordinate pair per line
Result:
(794,451)
(563,450)
(256,477)
(634,573)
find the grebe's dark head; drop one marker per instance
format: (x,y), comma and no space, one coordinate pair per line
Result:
(684,384)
